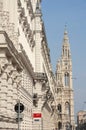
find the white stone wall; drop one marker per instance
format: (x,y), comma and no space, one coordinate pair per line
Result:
(48,120)
(16,84)
(8,92)
(25,54)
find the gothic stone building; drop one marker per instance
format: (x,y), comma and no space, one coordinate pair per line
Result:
(30,95)
(64,98)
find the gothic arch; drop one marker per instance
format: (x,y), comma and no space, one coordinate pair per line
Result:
(67,108)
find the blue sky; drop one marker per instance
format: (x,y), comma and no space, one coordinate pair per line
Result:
(57,13)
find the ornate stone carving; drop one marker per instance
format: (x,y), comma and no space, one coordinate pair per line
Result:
(21,14)
(30,9)
(19,3)
(26,26)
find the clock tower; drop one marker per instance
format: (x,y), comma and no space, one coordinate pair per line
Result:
(65,99)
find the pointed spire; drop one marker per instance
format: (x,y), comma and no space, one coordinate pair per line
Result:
(66,46)
(38,10)
(65,39)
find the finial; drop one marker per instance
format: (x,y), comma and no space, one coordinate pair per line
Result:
(38,10)
(65,30)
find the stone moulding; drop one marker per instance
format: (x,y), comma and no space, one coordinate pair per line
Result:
(7,119)
(10,51)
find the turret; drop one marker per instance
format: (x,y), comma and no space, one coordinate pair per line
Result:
(66,46)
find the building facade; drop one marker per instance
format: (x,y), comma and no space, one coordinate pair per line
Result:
(81,120)
(29,92)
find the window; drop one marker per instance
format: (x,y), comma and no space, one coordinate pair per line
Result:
(66,79)
(59,108)
(35,99)
(59,125)
(67,108)
(67,126)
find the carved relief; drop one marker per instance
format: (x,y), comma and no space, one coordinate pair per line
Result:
(25,26)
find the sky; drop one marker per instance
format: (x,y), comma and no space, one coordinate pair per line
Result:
(57,14)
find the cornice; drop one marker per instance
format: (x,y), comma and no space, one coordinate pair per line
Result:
(46,57)
(44,44)
(10,51)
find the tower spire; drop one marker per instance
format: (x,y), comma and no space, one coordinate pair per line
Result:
(64,85)
(65,39)
(66,45)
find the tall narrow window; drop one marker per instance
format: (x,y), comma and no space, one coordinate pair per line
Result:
(59,125)
(59,108)
(67,108)
(66,79)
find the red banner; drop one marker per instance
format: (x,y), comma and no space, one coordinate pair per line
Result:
(37,115)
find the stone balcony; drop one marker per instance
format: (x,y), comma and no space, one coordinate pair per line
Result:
(40,76)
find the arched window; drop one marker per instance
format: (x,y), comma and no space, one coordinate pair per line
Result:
(59,125)
(59,108)
(66,79)
(67,108)
(67,126)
